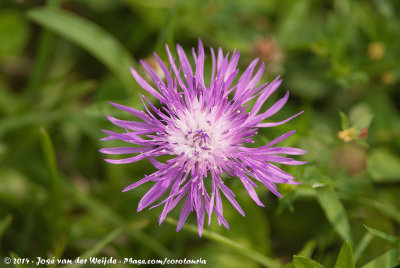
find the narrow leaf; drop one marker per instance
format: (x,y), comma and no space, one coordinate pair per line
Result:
(334,211)
(385,236)
(304,262)
(345,258)
(362,245)
(54,184)
(90,37)
(387,260)
(308,249)
(344,120)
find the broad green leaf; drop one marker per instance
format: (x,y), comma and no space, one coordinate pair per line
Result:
(384,166)
(250,253)
(304,262)
(345,258)
(385,236)
(389,259)
(89,36)
(334,211)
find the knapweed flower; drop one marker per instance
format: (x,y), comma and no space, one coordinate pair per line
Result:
(204,129)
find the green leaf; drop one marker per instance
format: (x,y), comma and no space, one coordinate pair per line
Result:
(385,236)
(44,53)
(334,211)
(384,166)
(344,120)
(248,252)
(345,258)
(308,249)
(50,158)
(362,245)
(360,116)
(363,122)
(89,36)
(387,260)
(304,262)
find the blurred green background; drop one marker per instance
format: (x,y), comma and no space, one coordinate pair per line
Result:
(62,61)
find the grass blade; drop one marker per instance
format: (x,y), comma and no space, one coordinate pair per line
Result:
(90,37)
(46,42)
(51,162)
(385,236)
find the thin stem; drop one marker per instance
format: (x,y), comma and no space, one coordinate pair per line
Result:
(46,42)
(250,253)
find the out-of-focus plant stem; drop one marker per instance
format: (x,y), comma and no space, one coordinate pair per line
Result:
(46,41)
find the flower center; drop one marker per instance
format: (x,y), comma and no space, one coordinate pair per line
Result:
(198,135)
(197,142)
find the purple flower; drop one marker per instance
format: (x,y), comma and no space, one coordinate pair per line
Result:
(204,128)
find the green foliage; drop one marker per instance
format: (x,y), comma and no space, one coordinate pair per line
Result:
(391,238)
(90,37)
(15,27)
(345,258)
(384,166)
(252,254)
(334,211)
(304,262)
(4,223)
(388,259)
(61,62)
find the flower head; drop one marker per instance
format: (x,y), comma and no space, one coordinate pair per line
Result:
(204,128)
